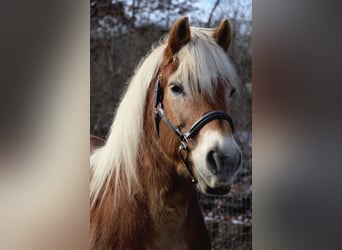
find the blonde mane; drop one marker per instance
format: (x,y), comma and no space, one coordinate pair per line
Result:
(202,65)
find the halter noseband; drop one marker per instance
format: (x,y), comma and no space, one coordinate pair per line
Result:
(183,147)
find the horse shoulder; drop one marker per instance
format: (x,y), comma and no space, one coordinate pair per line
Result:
(124,227)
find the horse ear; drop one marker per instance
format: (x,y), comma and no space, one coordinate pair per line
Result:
(223,34)
(179,35)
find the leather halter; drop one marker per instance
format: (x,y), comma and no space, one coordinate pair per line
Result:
(203,120)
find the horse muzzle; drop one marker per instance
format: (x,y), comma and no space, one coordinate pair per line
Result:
(217,160)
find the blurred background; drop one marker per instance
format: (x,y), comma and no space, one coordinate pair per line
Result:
(44,125)
(122,32)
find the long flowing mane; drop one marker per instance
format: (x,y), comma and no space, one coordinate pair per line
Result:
(202,65)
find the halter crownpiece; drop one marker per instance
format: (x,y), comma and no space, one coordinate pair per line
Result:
(194,129)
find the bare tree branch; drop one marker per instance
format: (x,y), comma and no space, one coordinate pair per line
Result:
(212,12)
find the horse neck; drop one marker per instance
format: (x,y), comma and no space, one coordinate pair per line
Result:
(167,194)
(157,172)
(161,195)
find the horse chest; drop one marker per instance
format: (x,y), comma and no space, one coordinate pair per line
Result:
(169,244)
(167,228)
(169,233)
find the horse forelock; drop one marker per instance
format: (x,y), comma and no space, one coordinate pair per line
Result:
(202,66)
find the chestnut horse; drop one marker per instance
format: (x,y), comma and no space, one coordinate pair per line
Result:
(171,131)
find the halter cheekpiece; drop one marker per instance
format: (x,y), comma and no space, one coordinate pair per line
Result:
(203,120)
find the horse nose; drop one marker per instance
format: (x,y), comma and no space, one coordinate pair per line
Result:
(219,162)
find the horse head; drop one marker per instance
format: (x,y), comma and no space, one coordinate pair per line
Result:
(192,97)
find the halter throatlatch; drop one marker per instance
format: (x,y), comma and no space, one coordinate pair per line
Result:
(183,147)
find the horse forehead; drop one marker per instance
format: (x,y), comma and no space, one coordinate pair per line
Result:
(168,70)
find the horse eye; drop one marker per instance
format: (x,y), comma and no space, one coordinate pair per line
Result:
(177,89)
(232,92)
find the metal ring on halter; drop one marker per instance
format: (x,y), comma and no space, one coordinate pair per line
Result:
(184,148)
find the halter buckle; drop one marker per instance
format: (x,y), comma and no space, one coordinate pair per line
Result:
(184,147)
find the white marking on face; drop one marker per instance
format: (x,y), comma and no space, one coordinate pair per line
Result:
(217,158)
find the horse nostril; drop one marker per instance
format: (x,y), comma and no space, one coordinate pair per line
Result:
(217,162)
(211,161)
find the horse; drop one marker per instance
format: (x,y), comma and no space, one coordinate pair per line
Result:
(171,135)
